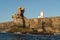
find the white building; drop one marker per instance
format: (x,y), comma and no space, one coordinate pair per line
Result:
(41,15)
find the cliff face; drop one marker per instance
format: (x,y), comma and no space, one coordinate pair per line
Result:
(51,25)
(46,24)
(5,26)
(40,24)
(56,24)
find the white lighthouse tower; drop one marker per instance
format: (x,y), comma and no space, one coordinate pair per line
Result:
(41,14)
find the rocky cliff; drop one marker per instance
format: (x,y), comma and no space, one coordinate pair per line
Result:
(22,24)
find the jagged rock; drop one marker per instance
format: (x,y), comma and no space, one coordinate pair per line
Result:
(22,24)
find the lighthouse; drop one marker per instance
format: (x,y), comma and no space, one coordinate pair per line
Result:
(41,14)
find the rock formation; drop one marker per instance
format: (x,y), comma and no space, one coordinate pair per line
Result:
(22,24)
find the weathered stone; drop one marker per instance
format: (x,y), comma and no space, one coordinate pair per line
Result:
(33,23)
(48,25)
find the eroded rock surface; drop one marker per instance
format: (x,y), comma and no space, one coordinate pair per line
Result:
(51,25)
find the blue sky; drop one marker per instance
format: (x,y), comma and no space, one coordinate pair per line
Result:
(32,8)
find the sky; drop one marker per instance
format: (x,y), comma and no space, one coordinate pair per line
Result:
(32,8)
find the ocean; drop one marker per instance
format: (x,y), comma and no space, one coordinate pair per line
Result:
(11,36)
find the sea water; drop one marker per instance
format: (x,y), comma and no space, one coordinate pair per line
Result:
(11,36)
